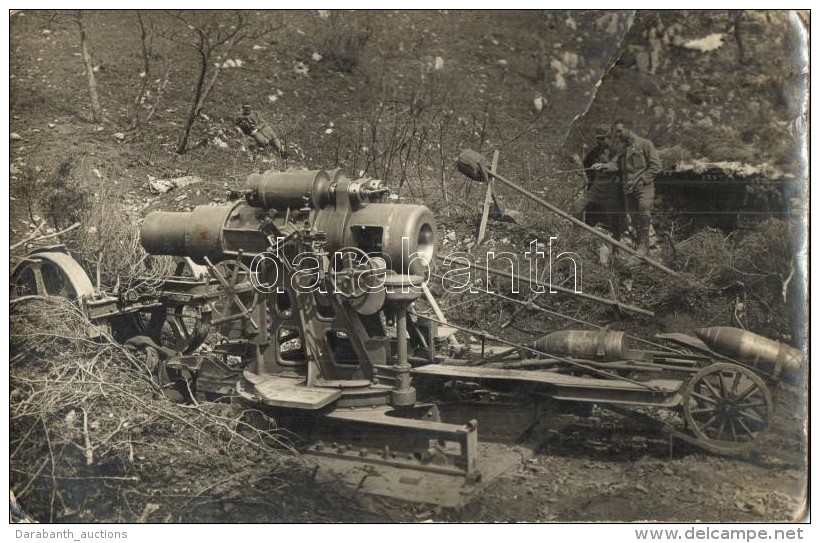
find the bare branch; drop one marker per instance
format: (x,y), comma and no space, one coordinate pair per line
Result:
(36,235)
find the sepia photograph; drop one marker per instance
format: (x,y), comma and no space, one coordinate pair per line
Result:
(408,266)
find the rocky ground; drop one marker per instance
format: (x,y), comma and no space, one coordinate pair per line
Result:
(397,95)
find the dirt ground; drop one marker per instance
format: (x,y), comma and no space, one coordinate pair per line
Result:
(487,96)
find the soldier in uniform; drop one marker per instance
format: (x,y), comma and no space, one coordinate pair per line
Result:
(253,125)
(604,196)
(637,163)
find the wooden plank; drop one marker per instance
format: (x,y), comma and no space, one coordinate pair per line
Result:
(489,199)
(491,182)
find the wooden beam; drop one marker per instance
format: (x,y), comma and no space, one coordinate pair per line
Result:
(489,200)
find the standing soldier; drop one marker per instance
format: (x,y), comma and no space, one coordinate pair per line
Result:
(637,164)
(253,125)
(604,195)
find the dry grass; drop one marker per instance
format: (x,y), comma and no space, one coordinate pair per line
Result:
(88,422)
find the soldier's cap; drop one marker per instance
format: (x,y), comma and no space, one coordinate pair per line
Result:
(601,132)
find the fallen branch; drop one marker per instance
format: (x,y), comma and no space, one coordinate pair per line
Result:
(36,237)
(788,280)
(32,235)
(89,450)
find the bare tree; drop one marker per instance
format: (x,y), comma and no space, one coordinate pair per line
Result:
(213,36)
(735,20)
(77,17)
(146,48)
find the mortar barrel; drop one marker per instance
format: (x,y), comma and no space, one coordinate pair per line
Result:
(773,357)
(607,344)
(215,232)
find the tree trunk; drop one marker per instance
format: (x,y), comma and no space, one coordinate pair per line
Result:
(146,68)
(96,110)
(189,124)
(543,50)
(207,90)
(741,50)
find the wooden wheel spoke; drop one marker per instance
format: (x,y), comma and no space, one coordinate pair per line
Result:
(702,410)
(745,428)
(751,416)
(722,384)
(704,398)
(715,392)
(735,383)
(752,388)
(721,428)
(751,405)
(733,429)
(709,422)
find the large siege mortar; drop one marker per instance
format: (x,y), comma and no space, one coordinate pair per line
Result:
(348,213)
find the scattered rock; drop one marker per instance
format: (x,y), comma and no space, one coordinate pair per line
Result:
(161,186)
(316,57)
(186,180)
(233,63)
(300,68)
(14,136)
(539,102)
(438,64)
(119,136)
(705,44)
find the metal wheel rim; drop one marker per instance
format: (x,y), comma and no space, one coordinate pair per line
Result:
(727,407)
(53,274)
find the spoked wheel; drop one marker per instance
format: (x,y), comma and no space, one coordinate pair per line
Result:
(727,407)
(182,328)
(234,310)
(50,274)
(178,326)
(154,360)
